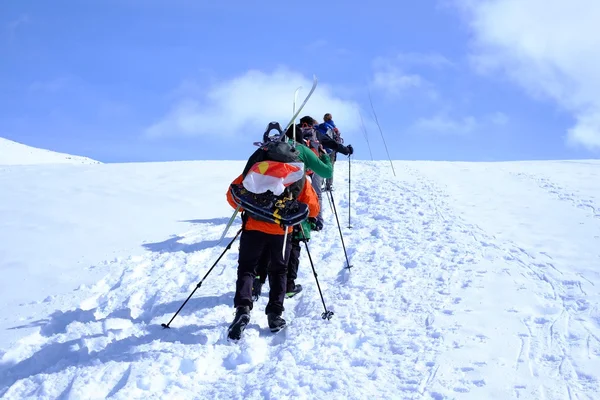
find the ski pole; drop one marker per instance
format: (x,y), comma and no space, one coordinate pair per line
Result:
(200,283)
(380,131)
(328,313)
(329,201)
(340,229)
(235,213)
(349,192)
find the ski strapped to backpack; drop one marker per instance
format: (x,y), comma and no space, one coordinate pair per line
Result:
(312,89)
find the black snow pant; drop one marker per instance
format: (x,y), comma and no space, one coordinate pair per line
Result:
(292,265)
(263,265)
(253,246)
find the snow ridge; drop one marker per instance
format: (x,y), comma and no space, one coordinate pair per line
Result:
(14,153)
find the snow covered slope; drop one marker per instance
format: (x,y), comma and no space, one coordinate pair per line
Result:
(469,281)
(13,153)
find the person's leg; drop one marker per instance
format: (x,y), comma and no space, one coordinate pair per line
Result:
(329,181)
(263,265)
(292,272)
(252,246)
(317,181)
(261,274)
(277,273)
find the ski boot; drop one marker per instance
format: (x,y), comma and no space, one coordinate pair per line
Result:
(276,323)
(292,291)
(242,318)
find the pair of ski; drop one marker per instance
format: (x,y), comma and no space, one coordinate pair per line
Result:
(276,126)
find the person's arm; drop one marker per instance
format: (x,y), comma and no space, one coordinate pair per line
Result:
(320,165)
(232,203)
(309,197)
(329,143)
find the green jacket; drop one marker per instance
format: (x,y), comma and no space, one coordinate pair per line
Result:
(307,228)
(320,165)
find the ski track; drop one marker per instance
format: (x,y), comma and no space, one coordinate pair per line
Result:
(556,332)
(405,323)
(562,193)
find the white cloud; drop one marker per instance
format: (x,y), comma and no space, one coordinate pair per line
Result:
(14,25)
(391,73)
(550,48)
(317,46)
(499,118)
(393,80)
(442,123)
(244,105)
(433,60)
(52,85)
(322,47)
(446,125)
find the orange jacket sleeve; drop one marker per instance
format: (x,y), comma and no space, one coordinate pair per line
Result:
(237,180)
(309,196)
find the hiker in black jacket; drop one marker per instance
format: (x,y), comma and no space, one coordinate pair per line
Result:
(326,141)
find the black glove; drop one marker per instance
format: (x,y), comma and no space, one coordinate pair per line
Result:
(346,150)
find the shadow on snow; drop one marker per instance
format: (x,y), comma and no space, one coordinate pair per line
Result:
(56,357)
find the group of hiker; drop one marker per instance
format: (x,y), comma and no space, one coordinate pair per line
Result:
(268,249)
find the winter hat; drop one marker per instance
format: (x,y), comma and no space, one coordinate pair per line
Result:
(307,119)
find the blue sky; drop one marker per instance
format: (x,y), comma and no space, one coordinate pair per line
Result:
(128,80)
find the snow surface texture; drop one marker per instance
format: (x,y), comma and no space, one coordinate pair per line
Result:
(13,153)
(469,281)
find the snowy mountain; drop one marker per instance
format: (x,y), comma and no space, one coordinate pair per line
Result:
(469,281)
(13,153)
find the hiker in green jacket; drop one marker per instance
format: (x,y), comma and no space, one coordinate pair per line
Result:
(315,158)
(306,135)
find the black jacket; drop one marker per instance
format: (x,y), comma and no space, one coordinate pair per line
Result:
(328,143)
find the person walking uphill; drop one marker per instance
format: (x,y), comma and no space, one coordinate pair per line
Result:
(314,164)
(329,129)
(261,236)
(310,136)
(312,154)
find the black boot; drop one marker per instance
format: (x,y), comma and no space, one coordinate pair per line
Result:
(276,323)
(242,318)
(293,290)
